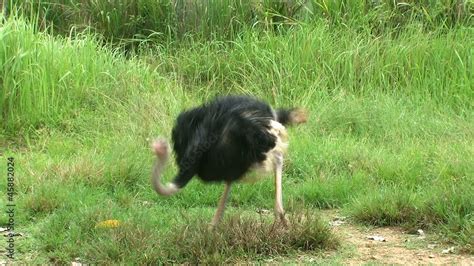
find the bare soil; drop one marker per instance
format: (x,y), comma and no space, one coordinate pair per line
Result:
(398,246)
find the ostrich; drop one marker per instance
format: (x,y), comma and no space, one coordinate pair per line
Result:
(226,140)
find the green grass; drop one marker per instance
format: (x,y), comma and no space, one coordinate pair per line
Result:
(389,138)
(133,21)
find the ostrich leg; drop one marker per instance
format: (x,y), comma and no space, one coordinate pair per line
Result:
(221,206)
(279,212)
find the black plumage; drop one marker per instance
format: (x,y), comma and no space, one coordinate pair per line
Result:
(223,140)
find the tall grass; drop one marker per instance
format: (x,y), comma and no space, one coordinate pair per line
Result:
(44,88)
(389,140)
(322,59)
(126,20)
(47,81)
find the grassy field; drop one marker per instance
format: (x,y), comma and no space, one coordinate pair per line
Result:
(389,139)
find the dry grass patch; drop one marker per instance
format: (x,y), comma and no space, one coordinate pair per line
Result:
(249,237)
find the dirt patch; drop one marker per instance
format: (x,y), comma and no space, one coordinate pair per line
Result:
(392,245)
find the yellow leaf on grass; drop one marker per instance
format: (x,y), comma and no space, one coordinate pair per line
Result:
(108,224)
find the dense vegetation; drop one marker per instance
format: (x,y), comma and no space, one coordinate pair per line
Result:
(128,20)
(85,85)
